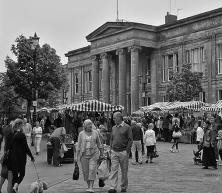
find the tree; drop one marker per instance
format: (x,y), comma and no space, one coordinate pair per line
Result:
(50,75)
(185,85)
(10,103)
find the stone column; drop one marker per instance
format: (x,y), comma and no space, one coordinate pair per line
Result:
(114,77)
(122,76)
(95,77)
(134,78)
(105,78)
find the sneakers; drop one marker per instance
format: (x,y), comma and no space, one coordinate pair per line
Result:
(112,191)
(90,190)
(123,190)
(15,188)
(171,150)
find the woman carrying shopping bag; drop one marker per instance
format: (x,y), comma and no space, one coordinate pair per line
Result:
(89,149)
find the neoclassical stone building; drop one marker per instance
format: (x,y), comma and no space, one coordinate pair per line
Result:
(130,63)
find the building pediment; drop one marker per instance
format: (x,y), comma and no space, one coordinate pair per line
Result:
(112,28)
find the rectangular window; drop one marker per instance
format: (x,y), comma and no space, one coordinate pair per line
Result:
(90,80)
(148,101)
(87,81)
(170,66)
(175,62)
(164,99)
(219,94)
(164,68)
(202,54)
(219,58)
(202,96)
(187,57)
(76,80)
(195,60)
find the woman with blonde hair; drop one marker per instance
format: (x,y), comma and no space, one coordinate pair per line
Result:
(88,150)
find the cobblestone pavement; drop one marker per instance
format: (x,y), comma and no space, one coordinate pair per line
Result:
(170,173)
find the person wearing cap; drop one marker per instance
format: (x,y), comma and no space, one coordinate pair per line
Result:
(19,152)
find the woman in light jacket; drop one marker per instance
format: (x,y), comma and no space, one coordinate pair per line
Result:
(88,151)
(150,142)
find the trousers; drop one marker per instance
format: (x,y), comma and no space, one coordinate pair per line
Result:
(37,143)
(136,146)
(119,159)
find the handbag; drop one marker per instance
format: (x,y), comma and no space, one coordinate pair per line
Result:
(75,175)
(177,134)
(64,148)
(103,170)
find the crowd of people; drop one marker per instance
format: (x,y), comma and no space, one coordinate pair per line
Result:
(127,137)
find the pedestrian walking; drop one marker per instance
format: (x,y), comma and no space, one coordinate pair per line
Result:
(208,157)
(89,148)
(6,170)
(200,134)
(121,142)
(19,152)
(176,137)
(150,142)
(56,139)
(219,143)
(37,131)
(137,142)
(27,130)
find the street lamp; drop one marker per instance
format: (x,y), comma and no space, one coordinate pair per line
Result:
(34,45)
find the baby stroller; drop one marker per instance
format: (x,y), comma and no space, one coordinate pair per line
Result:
(197,155)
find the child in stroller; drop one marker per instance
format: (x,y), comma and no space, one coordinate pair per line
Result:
(197,155)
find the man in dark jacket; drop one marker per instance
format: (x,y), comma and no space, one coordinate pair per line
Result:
(137,145)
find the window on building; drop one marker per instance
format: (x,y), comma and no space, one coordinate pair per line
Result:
(202,96)
(187,57)
(195,60)
(202,54)
(148,72)
(219,94)
(164,99)
(164,68)
(170,66)
(148,101)
(87,81)
(175,62)
(76,80)
(219,58)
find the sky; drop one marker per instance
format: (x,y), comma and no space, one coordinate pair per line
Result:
(64,24)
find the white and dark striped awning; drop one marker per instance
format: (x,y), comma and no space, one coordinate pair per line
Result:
(96,106)
(217,107)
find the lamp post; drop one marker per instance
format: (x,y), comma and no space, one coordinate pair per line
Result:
(34,45)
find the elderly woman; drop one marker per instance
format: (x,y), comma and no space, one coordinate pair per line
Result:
(208,157)
(88,152)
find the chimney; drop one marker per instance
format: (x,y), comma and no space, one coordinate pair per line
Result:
(170,18)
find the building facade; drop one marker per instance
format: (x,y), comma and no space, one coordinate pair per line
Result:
(131,64)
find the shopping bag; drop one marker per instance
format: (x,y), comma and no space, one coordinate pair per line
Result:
(65,149)
(103,170)
(75,175)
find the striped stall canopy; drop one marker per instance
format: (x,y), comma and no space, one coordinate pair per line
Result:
(96,106)
(190,105)
(217,107)
(160,106)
